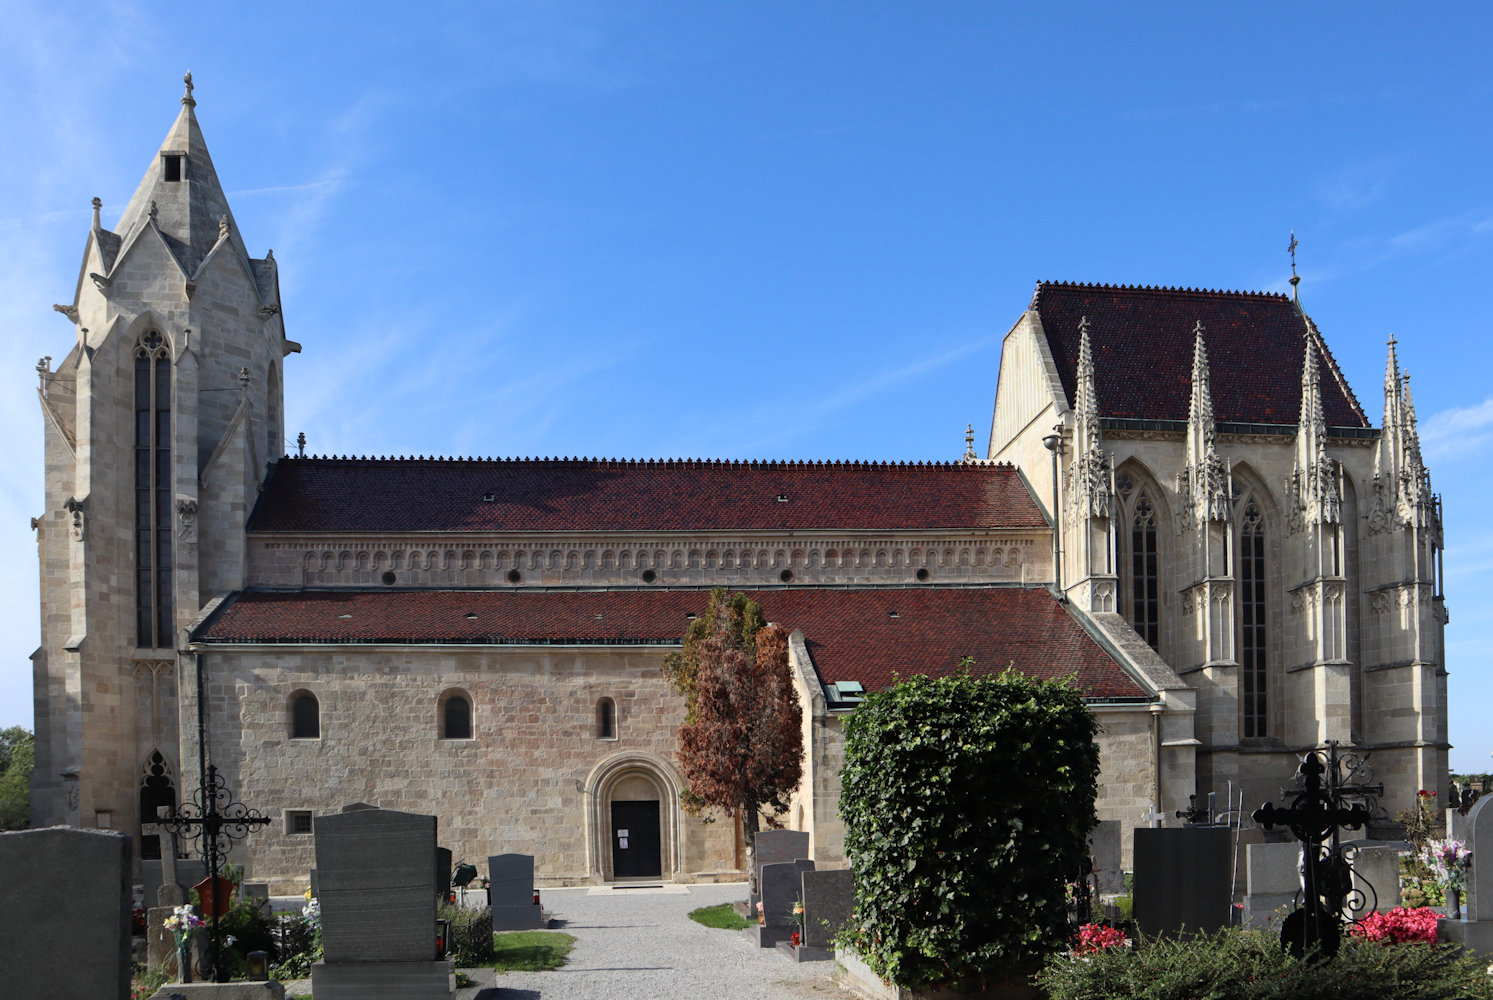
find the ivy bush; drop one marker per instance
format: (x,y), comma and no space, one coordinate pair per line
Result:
(1251,965)
(967,805)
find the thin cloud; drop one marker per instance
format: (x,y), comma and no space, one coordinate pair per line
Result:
(1462,430)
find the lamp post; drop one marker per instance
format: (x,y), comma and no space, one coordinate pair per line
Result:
(1054,443)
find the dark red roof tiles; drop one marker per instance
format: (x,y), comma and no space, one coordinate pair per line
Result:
(418,494)
(1142,343)
(867,635)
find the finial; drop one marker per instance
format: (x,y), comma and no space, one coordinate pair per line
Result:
(1197,330)
(154,211)
(98,205)
(243,378)
(969,442)
(1391,341)
(44,367)
(1295,278)
(269,256)
(222,227)
(300,444)
(187,98)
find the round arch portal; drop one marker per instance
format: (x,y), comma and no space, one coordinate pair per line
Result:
(632,819)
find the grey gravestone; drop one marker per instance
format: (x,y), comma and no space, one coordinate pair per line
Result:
(259,894)
(829,900)
(1273,876)
(1475,929)
(1104,849)
(376,885)
(79,950)
(772,847)
(1456,825)
(511,892)
(780,888)
(1182,879)
(1376,880)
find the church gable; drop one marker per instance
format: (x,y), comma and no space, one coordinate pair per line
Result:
(1142,342)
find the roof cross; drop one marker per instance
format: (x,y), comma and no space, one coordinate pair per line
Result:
(187,98)
(1295,278)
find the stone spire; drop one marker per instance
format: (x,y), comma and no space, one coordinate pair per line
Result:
(1313,483)
(184,188)
(1204,483)
(1415,481)
(1091,478)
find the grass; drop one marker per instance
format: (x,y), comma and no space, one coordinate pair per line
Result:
(530,951)
(723,916)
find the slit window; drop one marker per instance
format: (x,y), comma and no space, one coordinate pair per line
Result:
(606,719)
(154,619)
(1252,645)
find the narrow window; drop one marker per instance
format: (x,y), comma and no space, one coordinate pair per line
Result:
(1252,619)
(456,718)
(172,167)
(305,717)
(606,719)
(154,619)
(1144,589)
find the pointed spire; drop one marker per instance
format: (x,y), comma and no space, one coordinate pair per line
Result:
(1204,482)
(1092,476)
(1311,421)
(1086,402)
(1389,458)
(1200,428)
(1313,485)
(1409,431)
(183,186)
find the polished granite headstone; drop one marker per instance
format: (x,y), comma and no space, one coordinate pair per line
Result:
(1183,880)
(780,888)
(511,892)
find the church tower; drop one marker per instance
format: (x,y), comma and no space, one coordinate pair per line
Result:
(160,422)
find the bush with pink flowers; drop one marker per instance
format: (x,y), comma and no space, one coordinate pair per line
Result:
(1399,926)
(1097,937)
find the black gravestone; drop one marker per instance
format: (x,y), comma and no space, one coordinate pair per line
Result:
(829,900)
(442,873)
(780,888)
(1182,879)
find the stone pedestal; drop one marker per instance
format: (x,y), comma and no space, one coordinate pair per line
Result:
(360,980)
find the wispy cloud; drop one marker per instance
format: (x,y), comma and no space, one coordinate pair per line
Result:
(1463,430)
(1356,186)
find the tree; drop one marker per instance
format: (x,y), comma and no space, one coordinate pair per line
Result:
(741,746)
(967,805)
(17,758)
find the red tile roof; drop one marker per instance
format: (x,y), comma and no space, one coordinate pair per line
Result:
(420,494)
(1142,342)
(866,635)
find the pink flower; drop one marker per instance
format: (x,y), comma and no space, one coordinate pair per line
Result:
(1097,937)
(1399,926)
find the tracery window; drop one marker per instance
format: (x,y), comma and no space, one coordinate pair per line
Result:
(1145,603)
(1252,636)
(154,619)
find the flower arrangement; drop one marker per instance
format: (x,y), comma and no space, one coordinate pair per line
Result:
(1097,937)
(1399,926)
(181,922)
(761,917)
(798,911)
(311,914)
(1449,861)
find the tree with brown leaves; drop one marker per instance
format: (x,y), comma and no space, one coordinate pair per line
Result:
(741,747)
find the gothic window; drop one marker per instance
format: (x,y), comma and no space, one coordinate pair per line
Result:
(456,716)
(1252,637)
(606,719)
(154,619)
(1145,603)
(156,790)
(305,717)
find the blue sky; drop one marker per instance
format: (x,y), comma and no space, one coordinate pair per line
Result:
(764,230)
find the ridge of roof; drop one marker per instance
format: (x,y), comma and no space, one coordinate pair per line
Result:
(1101,286)
(752,463)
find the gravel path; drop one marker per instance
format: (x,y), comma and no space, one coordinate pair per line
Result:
(639,944)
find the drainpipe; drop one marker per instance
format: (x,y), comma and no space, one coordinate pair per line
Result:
(1156,711)
(1054,443)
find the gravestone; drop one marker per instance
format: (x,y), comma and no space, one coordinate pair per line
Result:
(1456,824)
(1104,850)
(829,899)
(781,885)
(510,892)
(1475,930)
(376,885)
(1183,879)
(258,893)
(443,873)
(772,847)
(78,950)
(1376,880)
(1272,881)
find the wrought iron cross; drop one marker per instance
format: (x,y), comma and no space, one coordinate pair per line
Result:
(214,820)
(1292,248)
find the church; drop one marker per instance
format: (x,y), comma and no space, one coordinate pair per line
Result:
(1182,506)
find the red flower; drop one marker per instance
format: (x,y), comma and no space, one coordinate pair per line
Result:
(1097,937)
(1399,926)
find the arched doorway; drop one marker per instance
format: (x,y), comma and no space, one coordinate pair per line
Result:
(633,817)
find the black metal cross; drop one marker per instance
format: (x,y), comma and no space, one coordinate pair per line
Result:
(213,818)
(1315,815)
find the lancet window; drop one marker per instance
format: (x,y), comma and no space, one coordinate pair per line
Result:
(1252,621)
(154,618)
(1145,591)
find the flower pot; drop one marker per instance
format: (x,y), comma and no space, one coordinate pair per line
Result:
(1454,904)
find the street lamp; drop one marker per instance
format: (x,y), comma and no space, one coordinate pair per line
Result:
(1054,443)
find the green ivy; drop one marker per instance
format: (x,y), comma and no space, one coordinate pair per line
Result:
(967,802)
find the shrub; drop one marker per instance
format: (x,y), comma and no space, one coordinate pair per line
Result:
(1097,937)
(1399,926)
(967,803)
(1251,965)
(471,934)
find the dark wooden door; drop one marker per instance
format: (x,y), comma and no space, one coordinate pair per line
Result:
(636,851)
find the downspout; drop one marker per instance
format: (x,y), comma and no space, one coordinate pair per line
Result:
(1156,711)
